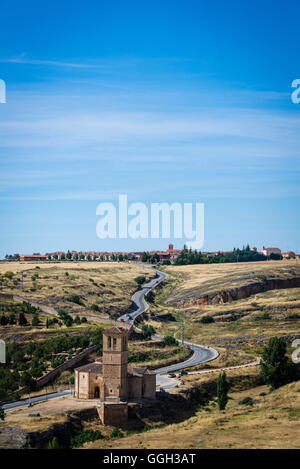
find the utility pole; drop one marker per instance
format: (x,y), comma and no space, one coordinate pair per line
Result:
(182,334)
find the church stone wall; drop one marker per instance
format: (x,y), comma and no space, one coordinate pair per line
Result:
(113,414)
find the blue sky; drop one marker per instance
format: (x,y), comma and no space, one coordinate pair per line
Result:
(164,101)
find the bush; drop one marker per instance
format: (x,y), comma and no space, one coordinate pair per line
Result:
(116,433)
(94,307)
(35,320)
(170,340)
(246,401)
(147,331)
(140,279)
(207,319)
(76,299)
(2,414)
(22,319)
(84,436)
(9,275)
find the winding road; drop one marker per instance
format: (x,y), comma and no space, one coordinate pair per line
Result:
(201,354)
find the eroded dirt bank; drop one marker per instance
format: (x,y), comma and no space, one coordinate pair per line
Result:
(238,293)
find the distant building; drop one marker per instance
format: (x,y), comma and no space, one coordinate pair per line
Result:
(268,251)
(173,253)
(288,255)
(32,257)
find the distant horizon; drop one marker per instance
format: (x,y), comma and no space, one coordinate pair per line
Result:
(144,250)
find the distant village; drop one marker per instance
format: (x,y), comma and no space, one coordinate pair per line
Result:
(169,256)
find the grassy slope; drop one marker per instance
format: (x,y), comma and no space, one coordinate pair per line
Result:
(104,283)
(272,422)
(198,280)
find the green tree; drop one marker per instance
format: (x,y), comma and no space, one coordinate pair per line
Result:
(3,320)
(35,320)
(222,391)
(2,414)
(12,318)
(276,368)
(145,257)
(69,255)
(22,319)
(148,331)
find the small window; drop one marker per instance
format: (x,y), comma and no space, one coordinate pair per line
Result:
(114,343)
(109,342)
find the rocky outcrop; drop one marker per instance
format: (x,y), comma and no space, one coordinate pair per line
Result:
(225,296)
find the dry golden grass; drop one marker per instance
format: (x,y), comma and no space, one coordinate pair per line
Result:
(157,354)
(108,284)
(272,422)
(197,280)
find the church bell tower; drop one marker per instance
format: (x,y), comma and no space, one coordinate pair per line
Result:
(115,360)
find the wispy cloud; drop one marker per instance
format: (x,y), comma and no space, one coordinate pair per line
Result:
(23,60)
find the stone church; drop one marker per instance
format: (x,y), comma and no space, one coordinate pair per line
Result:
(111,380)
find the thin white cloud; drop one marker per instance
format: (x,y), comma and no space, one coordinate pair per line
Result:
(54,63)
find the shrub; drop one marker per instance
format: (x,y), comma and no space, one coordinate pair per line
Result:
(84,436)
(116,433)
(94,307)
(246,401)
(2,414)
(35,320)
(9,275)
(170,340)
(140,279)
(76,299)
(147,331)
(22,319)
(207,319)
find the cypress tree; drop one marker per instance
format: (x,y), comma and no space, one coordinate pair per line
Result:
(222,391)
